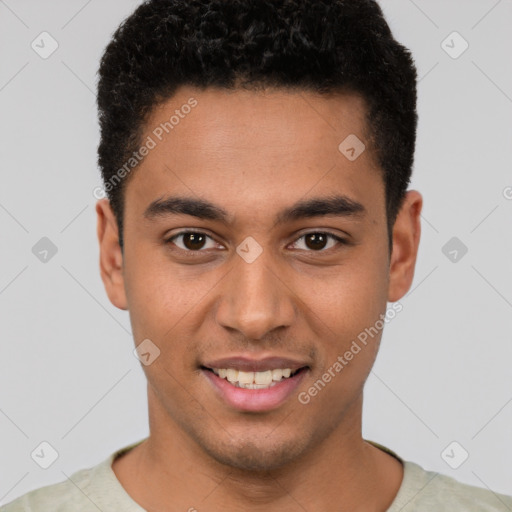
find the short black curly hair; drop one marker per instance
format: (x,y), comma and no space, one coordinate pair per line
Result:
(321,46)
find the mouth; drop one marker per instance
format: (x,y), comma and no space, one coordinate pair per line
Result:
(254,380)
(254,386)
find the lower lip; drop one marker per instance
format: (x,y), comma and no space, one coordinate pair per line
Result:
(255,400)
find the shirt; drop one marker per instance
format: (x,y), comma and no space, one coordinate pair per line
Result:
(97,488)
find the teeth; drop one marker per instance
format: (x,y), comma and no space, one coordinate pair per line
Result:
(264,378)
(253,380)
(232,375)
(245,377)
(257,386)
(277,375)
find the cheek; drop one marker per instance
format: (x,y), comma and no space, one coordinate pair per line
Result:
(349,304)
(149,291)
(352,326)
(163,298)
(349,298)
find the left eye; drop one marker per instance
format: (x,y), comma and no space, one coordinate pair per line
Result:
(194,241)
(319,241)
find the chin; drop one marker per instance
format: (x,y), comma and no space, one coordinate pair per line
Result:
(256,455)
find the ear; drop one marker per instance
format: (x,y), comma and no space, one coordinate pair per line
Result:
(406,239)
(111,256)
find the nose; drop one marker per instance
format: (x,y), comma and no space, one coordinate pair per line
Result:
(255,299)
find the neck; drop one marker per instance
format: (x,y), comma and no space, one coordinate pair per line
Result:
(170,468)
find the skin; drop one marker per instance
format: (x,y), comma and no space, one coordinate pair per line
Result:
(255,154)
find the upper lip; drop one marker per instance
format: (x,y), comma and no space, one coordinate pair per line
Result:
(255,365)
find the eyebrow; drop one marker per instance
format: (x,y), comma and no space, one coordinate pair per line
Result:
(336,205)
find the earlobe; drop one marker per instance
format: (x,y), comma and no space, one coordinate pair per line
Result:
(111,257)
(406,238)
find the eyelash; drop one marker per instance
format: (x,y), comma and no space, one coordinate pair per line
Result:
(338,239)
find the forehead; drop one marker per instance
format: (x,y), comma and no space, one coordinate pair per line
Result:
(255,147)
(252,120)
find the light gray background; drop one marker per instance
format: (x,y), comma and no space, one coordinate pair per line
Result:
(67,372)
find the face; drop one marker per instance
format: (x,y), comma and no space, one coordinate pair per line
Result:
(252,243)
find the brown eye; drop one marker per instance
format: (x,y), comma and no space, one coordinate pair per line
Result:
(194,241)
(318,241)
(191,241)
(315,240)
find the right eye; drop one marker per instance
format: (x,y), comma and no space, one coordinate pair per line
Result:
(192,241)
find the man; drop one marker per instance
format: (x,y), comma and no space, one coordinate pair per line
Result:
(256,157)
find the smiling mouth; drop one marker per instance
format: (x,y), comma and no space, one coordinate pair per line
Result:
(254,380)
